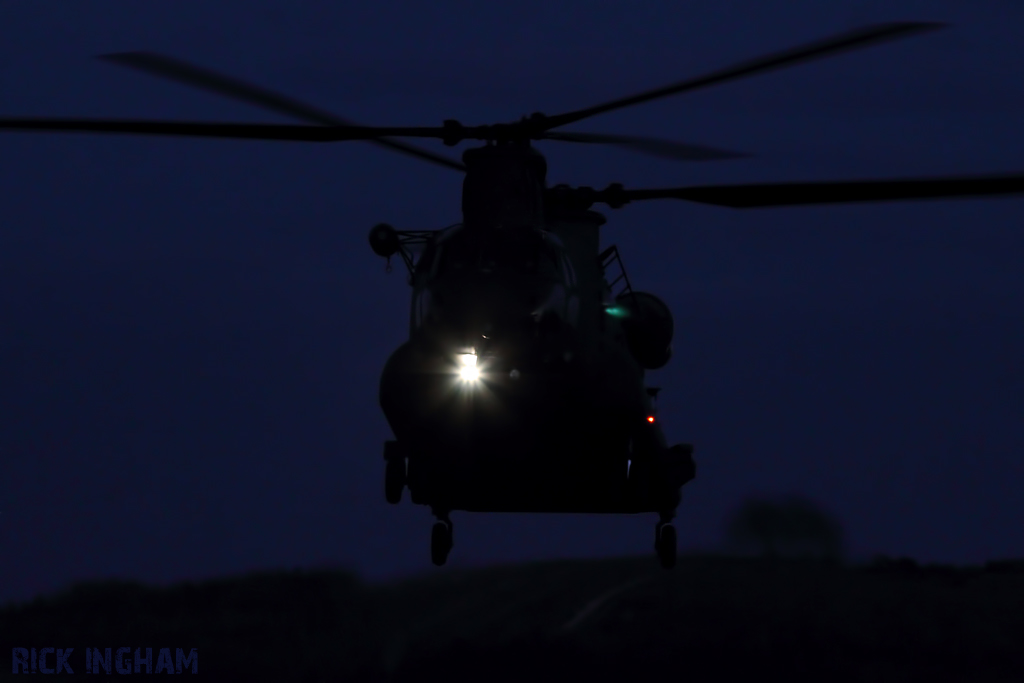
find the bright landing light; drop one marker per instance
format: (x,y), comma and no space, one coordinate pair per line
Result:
(469,372)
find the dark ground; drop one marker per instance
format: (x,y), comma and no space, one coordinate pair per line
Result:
(712,618)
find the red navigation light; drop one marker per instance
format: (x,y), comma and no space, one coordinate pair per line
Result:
(650,418)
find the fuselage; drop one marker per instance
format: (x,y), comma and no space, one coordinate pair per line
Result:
(520,387)
(512,303)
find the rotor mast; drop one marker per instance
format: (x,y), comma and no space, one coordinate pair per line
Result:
(504,186)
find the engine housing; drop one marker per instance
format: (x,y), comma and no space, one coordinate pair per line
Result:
(647,323)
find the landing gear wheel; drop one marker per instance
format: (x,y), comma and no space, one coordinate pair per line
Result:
(394,480)
(440,543)
(666,545)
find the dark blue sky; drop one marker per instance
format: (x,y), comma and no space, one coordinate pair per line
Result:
(191,331)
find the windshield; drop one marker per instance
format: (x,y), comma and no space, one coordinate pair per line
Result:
(467,270)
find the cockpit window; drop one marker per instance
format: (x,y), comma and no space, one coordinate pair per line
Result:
(421,308)
(459,254)
(516,251)
(570,274)
(426,261)
(521,252)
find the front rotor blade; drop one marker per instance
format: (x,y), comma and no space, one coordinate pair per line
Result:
(861,37)
(795,194)
(249,131)
(666,149)
(189,74)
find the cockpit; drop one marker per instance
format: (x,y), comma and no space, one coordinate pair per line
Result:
(457,251)
(518,273)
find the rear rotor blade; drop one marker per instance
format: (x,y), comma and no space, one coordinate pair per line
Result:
(200,77)
(189,74)
(666,149)
(849,40)
(249,131)
(795,194)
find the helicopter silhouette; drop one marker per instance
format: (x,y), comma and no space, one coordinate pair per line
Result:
(522,386)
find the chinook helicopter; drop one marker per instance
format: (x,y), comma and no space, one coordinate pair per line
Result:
(522,386)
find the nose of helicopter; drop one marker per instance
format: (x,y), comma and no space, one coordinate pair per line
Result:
(428,389)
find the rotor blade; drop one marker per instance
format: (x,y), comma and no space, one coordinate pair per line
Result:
(794,194)
(856,38)
(251,131)
(666,149)
(189,74)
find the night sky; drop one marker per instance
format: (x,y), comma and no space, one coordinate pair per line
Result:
(192,331)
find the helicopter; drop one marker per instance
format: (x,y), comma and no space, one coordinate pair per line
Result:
(522,385)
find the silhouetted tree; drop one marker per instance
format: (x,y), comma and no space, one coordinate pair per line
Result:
(793,526)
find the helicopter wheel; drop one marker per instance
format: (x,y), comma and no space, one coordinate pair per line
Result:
(394,480)
(666,545)
(440,542)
